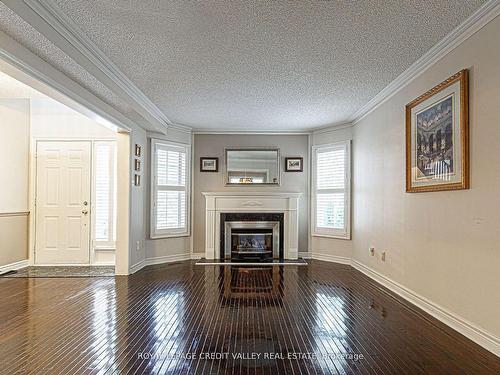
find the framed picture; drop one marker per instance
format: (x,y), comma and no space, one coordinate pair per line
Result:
(209,164)
(294,164)
(137,165)
(138,150)
(137,180)
(437,137)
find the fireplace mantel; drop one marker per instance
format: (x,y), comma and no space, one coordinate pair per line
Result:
(223,202)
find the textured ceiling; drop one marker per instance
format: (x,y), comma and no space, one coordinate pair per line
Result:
(261,65)
(22,32)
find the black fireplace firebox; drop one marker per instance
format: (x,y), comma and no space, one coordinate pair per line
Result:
(251,236)
(251,241)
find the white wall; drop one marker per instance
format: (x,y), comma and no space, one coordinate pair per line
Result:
(14,177)
(212,145)
(124,185)
(324,247)
(443,246)
(53,120)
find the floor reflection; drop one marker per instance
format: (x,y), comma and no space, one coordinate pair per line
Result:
(247,283)
(331,330)
(168,324)
(187,319)
(104,329)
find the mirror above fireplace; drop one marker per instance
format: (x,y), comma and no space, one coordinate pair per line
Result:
(252,166)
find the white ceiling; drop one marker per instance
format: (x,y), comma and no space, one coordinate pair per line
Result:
(263,65)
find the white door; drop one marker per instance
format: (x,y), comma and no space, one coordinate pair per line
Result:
(62,203)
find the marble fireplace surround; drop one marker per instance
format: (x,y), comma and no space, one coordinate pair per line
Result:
(251,202)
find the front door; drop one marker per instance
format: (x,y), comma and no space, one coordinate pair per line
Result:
(62,203)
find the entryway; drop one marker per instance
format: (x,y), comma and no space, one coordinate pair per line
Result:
(75,201)
(62,202)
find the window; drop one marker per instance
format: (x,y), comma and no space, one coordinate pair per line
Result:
(104,194)
(170,189)
(331,190)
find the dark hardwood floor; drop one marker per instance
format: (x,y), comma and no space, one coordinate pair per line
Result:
(318,319)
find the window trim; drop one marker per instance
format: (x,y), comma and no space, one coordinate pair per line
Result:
(345,233)
(95,244)
(169,233)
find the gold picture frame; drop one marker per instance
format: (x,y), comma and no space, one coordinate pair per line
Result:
(437,137)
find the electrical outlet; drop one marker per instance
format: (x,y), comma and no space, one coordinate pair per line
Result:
(372,251)
(138,246)
(382,256)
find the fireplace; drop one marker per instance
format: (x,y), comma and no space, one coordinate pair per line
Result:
(282,207)
(251,236)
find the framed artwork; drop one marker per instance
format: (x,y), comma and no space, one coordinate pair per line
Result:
(138,150)
(294,164)
(137,165)
(209,164)
(437,137)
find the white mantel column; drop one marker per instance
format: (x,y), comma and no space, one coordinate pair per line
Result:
(210,228)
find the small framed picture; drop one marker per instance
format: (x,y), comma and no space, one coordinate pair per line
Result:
(137,165)
(294,164)
(137,180)
(138,150)
(209,164)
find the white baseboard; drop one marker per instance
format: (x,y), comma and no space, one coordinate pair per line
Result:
(159,260)
(331,258)
(196,256)
(471,331)
(138,266)
(167,259)
(459,324)
(305,255)
(14,266)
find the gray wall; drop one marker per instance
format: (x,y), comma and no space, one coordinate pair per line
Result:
(213,146)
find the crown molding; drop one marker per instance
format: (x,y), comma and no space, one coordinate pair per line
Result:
(327,129)
(51,22)
(16,59)
(181,128)
(227,131)
(486,13)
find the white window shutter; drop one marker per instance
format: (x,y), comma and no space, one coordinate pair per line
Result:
(170,189)
(104,193)
(331,191)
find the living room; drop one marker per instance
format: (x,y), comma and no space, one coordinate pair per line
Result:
(257,187)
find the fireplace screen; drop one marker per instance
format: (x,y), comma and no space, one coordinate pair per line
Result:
(252,240)
(245,241)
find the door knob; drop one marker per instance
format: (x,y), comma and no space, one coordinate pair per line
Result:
(85,212)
